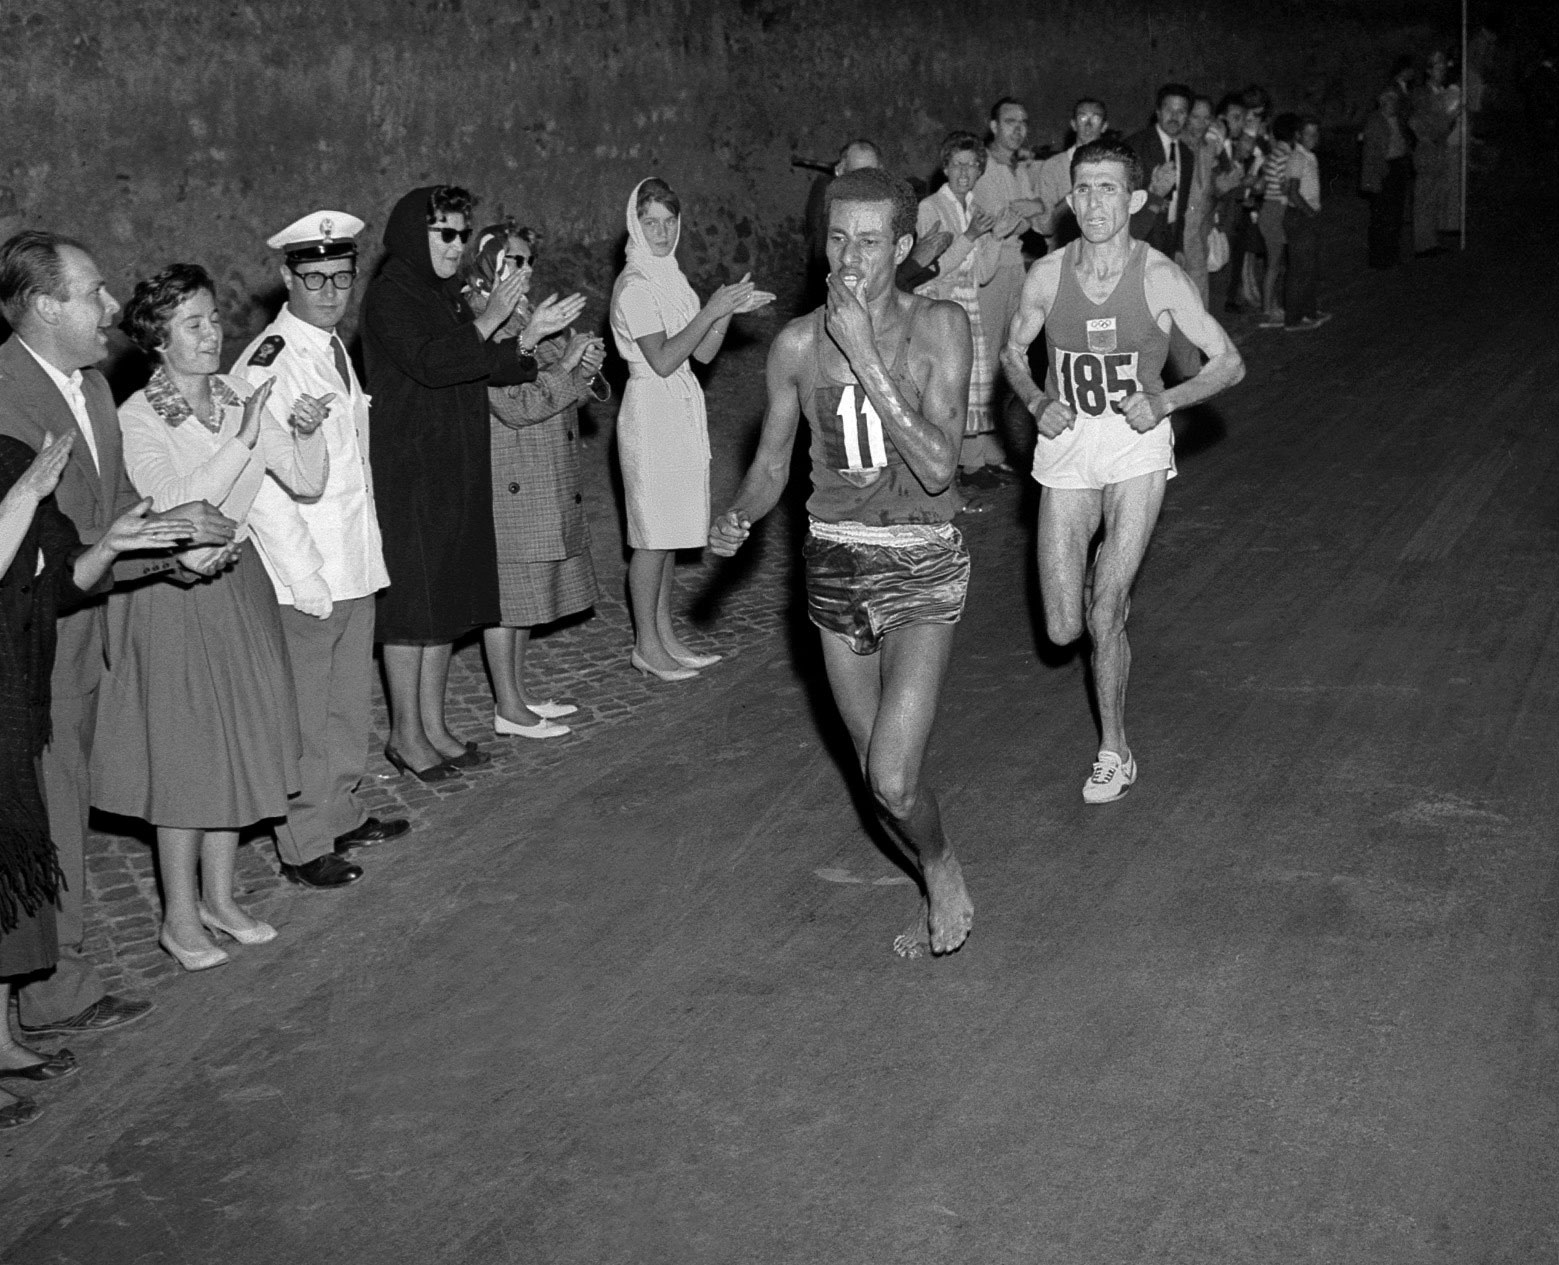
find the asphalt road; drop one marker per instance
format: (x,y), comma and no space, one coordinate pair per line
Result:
(1295,999)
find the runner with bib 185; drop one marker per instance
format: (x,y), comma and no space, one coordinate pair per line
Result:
(1105,449)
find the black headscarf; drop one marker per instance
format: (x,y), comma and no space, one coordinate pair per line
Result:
(406,241)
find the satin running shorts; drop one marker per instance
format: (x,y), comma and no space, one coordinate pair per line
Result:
(860,587)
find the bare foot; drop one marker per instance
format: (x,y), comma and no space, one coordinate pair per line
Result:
(952,912)
(914,941)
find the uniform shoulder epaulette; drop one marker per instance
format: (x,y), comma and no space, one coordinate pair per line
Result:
(267,351)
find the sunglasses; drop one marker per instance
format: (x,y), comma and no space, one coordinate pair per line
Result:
(316,280)
(447,234)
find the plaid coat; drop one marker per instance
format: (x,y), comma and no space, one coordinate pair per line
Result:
(538,501)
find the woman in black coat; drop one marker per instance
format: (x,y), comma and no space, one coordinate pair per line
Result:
(430,363)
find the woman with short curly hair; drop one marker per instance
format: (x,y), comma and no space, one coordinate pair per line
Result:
(197,727)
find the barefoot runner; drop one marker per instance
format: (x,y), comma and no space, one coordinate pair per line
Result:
(1105,448)
(883,379)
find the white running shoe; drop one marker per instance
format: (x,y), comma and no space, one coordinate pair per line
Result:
(1110,778)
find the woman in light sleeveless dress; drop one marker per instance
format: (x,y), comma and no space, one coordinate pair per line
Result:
(662,430)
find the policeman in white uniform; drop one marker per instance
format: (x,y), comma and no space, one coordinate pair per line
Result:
(323,555)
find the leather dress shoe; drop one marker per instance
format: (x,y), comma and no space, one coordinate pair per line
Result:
(107,1011)
(374,830)
(323,872)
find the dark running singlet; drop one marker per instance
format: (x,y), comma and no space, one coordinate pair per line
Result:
(857,473)
(1100,353)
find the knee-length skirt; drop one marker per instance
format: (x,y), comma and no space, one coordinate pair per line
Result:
(197,720)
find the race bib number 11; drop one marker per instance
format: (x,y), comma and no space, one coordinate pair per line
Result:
(853,438)
(1096,384)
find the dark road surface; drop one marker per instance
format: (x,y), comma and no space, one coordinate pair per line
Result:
(1295,999)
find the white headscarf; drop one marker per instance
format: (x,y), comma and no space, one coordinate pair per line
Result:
(674,298)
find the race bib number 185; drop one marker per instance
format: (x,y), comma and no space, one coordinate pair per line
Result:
(1096,384)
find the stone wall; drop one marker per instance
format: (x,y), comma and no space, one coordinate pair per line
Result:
(170,129)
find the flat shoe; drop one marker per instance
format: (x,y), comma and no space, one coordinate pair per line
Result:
(22,1111)
(551,710)
(541,729)
(56,1066)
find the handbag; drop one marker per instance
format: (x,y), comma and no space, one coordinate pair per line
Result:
(1217,250)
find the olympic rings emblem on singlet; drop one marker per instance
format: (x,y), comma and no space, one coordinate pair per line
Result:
(1096,385)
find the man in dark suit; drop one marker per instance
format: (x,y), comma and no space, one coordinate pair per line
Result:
(60,311)
(1171,163)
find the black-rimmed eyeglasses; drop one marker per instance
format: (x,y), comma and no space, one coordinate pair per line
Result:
(316,280)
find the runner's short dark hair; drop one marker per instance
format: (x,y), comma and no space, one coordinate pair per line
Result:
(873,184)
(1111,149)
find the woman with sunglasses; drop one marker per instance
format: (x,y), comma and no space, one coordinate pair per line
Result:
(430,362)
(544,568)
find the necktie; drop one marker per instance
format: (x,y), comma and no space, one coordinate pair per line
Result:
(1174,194)
(339,352)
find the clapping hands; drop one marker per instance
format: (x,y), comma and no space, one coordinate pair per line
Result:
(309,412)
(584,352)
(137,528)
(254,410)
(553,314)
(737,298)
(42,475)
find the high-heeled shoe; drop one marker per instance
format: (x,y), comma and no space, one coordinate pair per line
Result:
(192,959)
(543,728)
(473,757)
(636,660)
(692,659)
(440,772)
(260,933)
